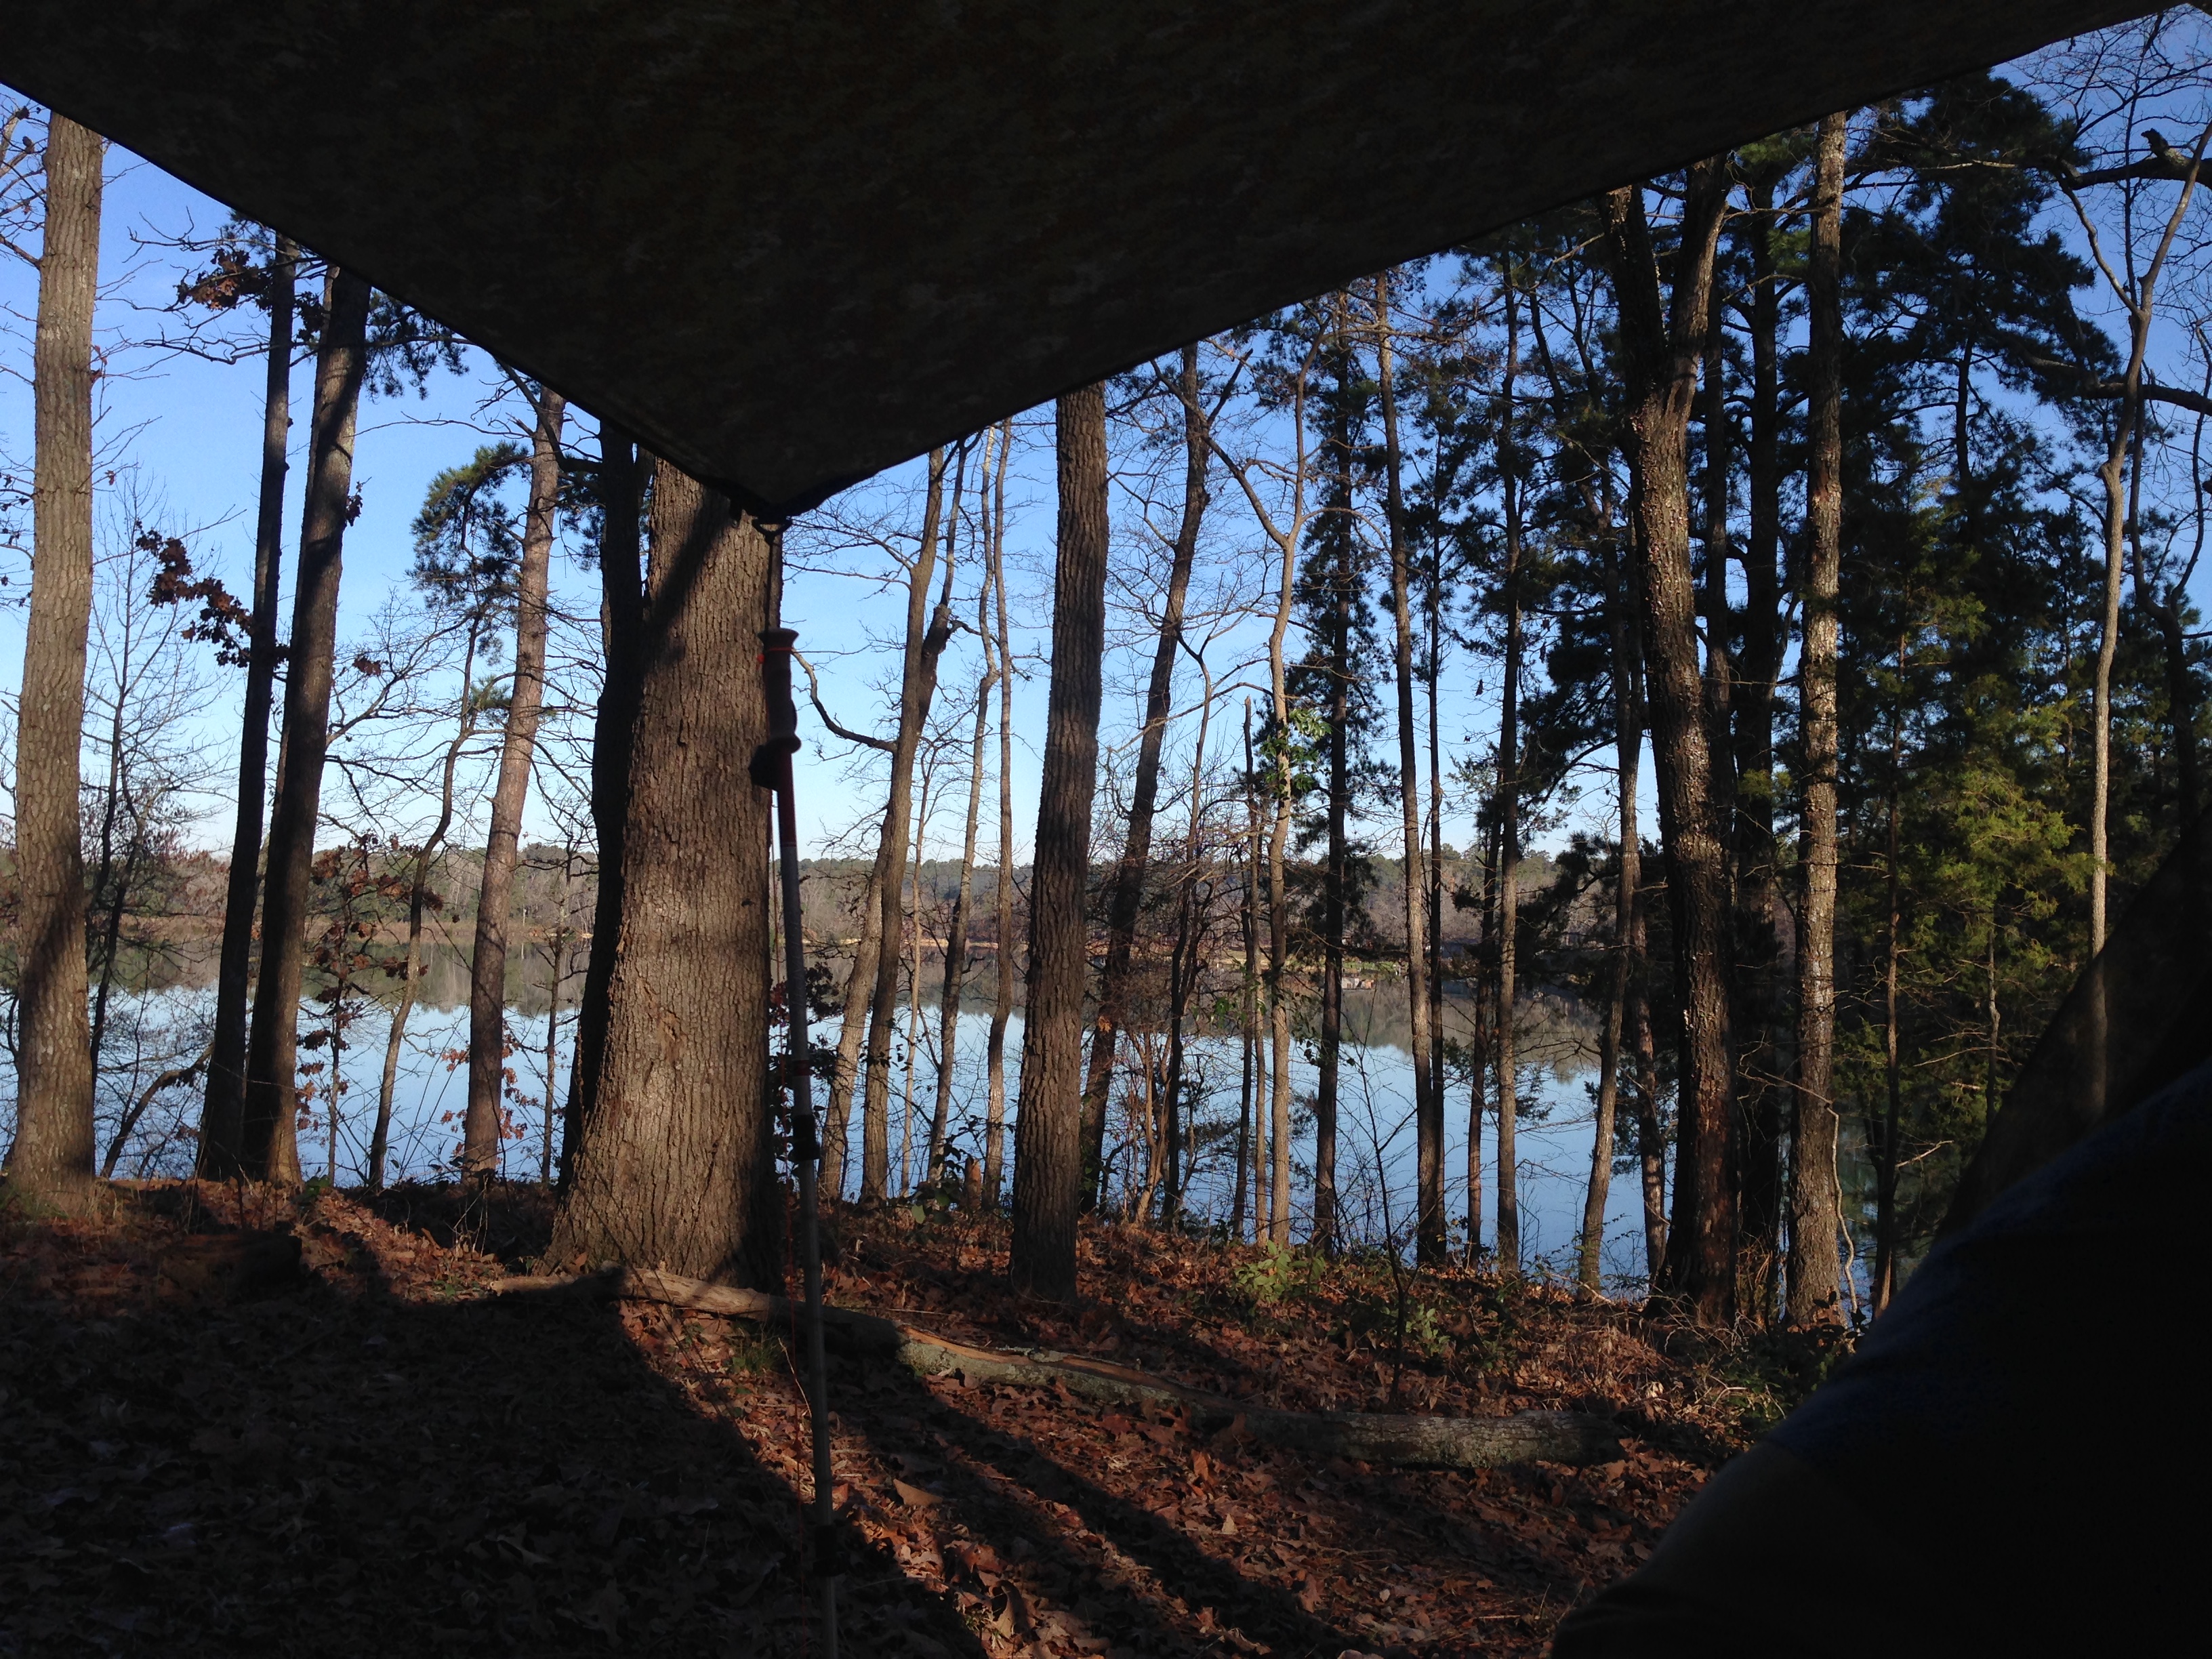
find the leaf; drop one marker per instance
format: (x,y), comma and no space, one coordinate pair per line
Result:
(916,1497)
(603,1613)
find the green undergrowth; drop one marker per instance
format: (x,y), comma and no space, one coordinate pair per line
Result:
(1457,1319)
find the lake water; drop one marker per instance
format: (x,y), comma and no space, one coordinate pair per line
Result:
(1376,1151)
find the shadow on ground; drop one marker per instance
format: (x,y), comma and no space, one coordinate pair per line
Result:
(391,1467)
(235,1424)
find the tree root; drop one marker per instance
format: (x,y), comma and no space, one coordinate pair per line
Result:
(1404,1441)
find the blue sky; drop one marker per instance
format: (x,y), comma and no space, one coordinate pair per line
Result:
(187,432)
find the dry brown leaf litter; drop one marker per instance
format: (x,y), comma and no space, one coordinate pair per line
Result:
(198,1456)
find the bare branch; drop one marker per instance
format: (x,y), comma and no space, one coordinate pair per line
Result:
(2089,384)
(814,696)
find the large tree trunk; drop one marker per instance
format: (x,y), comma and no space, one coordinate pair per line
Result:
(1661,353)
(269,1141)
(223,1113)
(926,637)
(1428,1107)
(1002,1001)
(1815,1285)
(488,964)
(622,599)
(677,1161)
(1128,891)
(1762,1051)
(1048,1127)
(51,1161)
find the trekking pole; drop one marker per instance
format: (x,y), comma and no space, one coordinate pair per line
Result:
(772,769)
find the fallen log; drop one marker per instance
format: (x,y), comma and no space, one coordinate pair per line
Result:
(1440,1443)
(1403,1440)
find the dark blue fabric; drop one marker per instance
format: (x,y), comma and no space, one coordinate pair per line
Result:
(2014,1461)
(2027,1417)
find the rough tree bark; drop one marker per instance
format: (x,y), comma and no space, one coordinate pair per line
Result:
(1661,349)
(1428,1106)
(1047,1127)
(51,1160)
(1128,890)
(1815,1284)
(270,1138)
(622,601)
(495,895)
(926,638)
(224,1105)
(676,1163)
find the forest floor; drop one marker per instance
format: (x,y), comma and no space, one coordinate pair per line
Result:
(206,1450)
